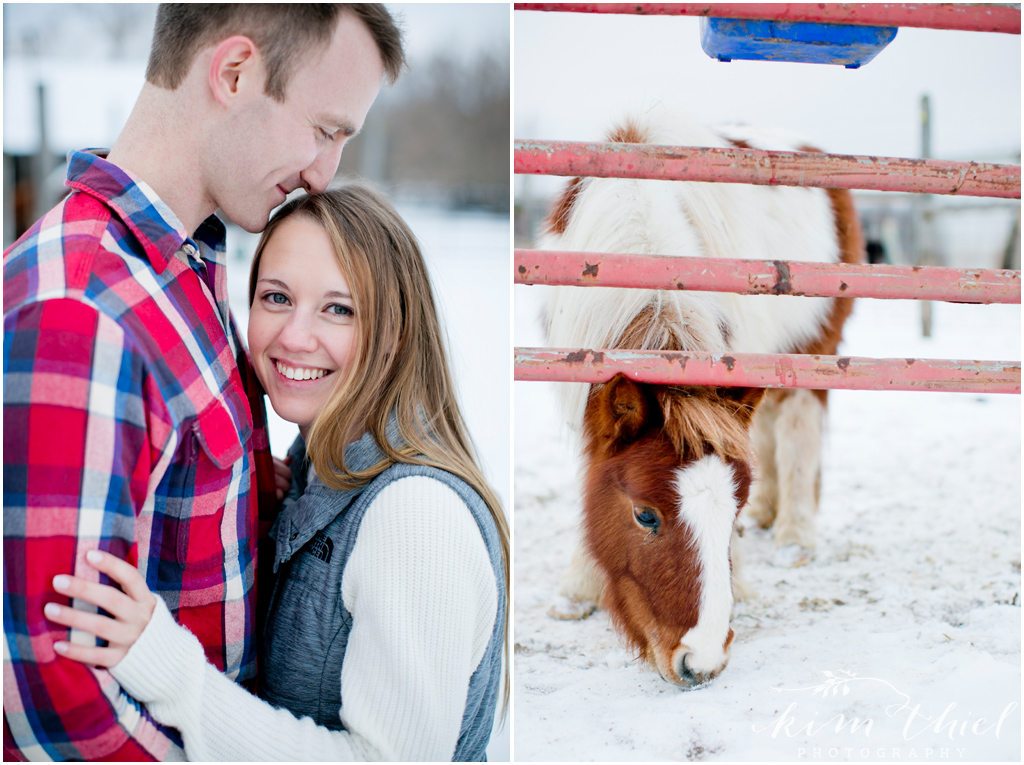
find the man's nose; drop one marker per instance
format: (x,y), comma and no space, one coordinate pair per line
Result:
(318,175)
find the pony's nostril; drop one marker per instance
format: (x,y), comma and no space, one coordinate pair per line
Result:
(686,676)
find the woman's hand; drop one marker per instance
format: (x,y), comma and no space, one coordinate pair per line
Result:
(131,609)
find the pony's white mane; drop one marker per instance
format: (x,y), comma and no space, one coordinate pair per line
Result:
(721,220)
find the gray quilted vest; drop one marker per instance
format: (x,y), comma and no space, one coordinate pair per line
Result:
(307,627)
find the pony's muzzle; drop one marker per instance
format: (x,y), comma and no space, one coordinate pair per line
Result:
(687,678)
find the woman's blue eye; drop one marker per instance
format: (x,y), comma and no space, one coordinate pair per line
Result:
(339,310)
(646,517)
(276,297)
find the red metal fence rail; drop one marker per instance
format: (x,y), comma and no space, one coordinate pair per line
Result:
(762,277)
(766,168)
(767,370)
(973,17)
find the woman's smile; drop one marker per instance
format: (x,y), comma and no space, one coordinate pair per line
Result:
(299,373)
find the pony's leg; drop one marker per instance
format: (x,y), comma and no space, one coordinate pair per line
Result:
(741,590)
(798,427)
(764,494)
(579,591)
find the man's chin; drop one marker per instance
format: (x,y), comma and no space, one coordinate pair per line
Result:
(250,225)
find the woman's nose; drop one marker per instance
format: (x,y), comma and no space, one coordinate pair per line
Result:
(298,334)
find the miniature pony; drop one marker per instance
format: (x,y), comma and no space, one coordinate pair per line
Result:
(667,468)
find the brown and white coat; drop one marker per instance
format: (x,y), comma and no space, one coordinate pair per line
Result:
(666,469)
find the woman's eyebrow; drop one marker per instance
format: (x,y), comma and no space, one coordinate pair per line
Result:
(275,282)
(278,283)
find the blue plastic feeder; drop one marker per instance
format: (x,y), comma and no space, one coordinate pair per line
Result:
(799,41)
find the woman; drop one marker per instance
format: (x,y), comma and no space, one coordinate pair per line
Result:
(388,617)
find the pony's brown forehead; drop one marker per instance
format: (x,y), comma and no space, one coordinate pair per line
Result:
(645,470)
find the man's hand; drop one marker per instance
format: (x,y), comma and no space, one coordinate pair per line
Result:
(282,476)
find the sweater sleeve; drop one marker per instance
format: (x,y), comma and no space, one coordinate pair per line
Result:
(417,585)
(220,721)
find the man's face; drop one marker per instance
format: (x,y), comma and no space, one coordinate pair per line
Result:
(270,148)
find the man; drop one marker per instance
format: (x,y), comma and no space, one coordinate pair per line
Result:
(131,419)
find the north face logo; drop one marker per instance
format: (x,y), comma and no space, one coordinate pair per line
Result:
(321,547)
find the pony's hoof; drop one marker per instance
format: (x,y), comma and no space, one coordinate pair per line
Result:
(571,609)
(791,556)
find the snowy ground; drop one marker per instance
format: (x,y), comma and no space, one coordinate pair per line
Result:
(468,258)
(901,640)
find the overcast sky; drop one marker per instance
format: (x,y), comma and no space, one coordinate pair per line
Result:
(577,73)
(455,27)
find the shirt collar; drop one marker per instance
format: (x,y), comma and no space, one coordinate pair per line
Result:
(159,231)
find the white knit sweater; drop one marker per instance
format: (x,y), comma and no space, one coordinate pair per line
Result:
(418,633)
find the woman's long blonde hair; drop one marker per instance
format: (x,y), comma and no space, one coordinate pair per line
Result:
(400,365)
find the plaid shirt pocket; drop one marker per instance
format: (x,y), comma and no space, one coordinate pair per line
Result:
(210,459)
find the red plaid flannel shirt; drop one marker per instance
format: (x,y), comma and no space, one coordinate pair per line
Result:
(132,423)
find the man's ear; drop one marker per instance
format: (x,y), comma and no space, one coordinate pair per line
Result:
(234,63)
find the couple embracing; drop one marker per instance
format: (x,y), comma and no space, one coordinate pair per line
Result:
(159,564)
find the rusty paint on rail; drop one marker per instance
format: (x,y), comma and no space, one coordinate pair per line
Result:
(756,370)
(759,277)
(767,168)
(973,17)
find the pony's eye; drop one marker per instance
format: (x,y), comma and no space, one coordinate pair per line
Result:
(646,518)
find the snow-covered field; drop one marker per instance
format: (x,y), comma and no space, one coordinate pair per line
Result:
(901,639)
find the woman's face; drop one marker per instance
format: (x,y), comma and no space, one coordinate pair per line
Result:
(302,328)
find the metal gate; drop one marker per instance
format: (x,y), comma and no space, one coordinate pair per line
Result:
(774,277)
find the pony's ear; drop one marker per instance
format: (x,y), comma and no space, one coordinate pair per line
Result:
(620,411)
(745,400)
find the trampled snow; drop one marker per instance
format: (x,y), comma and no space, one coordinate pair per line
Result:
(900,640)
